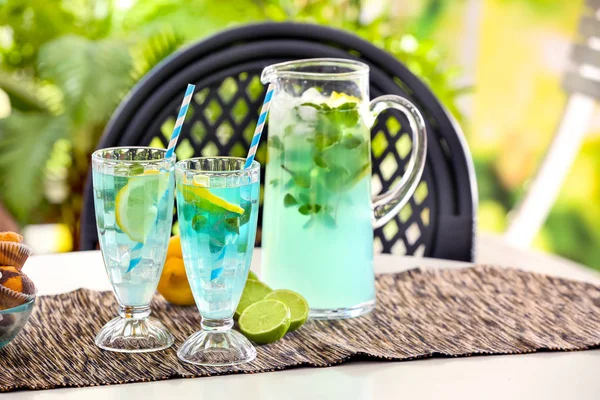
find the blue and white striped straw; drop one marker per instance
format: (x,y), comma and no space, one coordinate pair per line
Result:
(260,126)
(136,251)
(189,92)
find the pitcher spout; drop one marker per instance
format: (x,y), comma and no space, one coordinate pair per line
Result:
(269,74)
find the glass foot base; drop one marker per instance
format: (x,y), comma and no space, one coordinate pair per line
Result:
(217,348)
(342,313)
(134,335)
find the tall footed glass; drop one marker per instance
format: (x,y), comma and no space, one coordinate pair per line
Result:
(217,206)
(319,214)
(133,198)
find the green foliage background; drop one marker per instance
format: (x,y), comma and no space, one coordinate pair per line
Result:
(66,64)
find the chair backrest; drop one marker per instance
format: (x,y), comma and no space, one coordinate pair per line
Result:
(439,221)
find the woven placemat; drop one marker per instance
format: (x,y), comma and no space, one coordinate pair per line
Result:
(420,313)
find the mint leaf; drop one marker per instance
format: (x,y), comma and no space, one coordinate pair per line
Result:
(275,143)
(289,200)
(303,198)
(351,141)
(242,246)
(347,106)
(199,222)
(313,105)
(325,107)
(336,178)
(216,244)
(233,225)
(288,130)
(328,136)
(136,169)
(274,182)
(300,179)
(320,161)
(305,209)
(245,217)
(349,118)
(358,175)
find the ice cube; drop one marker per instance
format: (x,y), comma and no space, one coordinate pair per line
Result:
(307,113)
(303,128)
(201,180)
(312,95)
(282,105)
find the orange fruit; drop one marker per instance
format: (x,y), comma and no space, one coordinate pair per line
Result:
(173,284)
(174,249)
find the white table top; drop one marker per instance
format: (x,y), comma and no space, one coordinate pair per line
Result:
(533,376)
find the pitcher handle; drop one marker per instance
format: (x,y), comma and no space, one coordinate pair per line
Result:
(388,204)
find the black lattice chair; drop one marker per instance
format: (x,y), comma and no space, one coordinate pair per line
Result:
(439,221)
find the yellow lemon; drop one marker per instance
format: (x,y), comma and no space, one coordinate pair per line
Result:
(340,98)
(208,199)
(174,285)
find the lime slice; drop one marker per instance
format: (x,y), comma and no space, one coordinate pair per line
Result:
(253,292)
(252,275)
(136,204)
(297,304)
(265,321)
(207,200)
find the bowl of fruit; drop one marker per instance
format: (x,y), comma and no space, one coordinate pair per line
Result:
(17,291)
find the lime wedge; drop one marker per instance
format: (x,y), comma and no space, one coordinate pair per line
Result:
(252,275)
(253,292)
(297,304)
(265,321)
(207,200)
(136,204)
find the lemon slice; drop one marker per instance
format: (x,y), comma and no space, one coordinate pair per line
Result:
(198,192)
(136,204)
(340,98)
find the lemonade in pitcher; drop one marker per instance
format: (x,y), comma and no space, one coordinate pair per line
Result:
(319,214)
(318,180)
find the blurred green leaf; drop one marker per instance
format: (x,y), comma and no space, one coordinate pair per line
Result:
(22,93)
(25,143)
(93,75)
(151,52)
(191,18)
(33,23)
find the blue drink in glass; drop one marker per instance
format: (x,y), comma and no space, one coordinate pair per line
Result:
(217,204)
(133,196)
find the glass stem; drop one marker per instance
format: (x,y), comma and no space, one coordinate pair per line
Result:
(217,325)
(128,312)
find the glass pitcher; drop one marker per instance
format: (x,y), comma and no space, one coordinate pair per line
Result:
(319,215)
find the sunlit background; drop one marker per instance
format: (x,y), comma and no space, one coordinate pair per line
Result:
(497,65)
